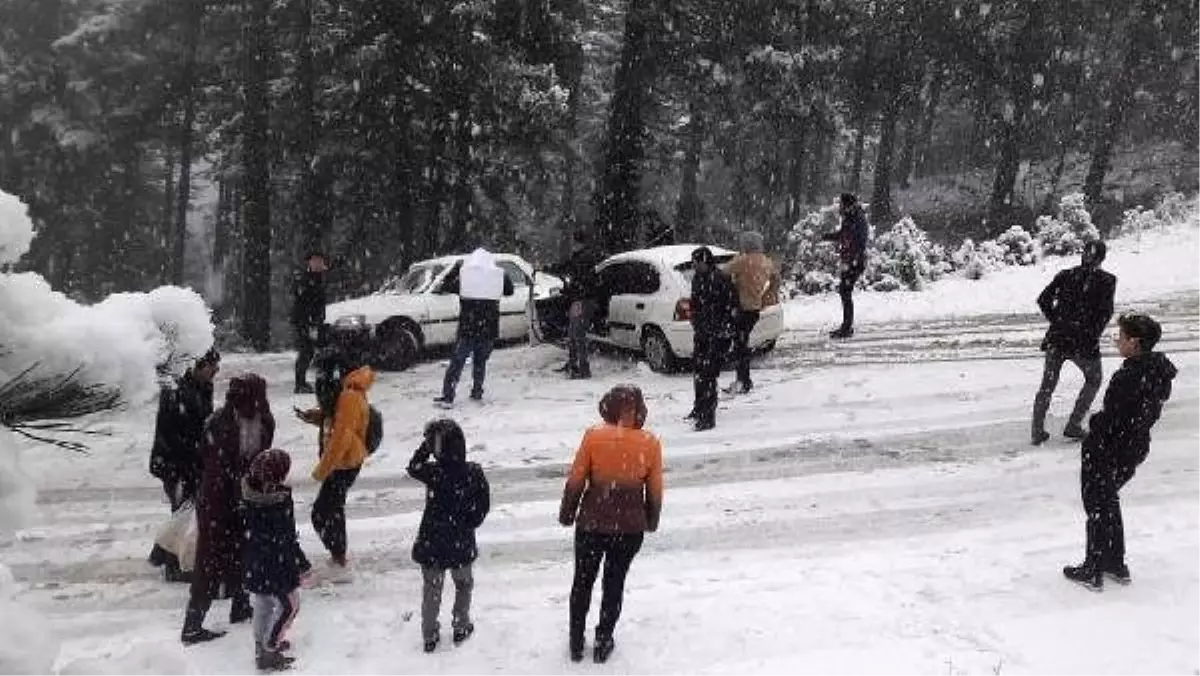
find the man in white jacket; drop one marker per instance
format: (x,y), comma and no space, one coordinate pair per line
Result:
(480,283)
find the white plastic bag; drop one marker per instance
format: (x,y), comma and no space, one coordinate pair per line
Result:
(178,536)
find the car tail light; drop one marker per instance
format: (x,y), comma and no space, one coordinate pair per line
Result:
(683,310)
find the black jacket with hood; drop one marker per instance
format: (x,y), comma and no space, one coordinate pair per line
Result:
(182,412)
(457,498)
(272,560)
(1133,402)
(1079,303)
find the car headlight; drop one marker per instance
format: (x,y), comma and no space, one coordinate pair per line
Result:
(351,322)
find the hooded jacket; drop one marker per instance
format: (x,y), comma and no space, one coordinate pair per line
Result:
(272,560)
(754,275)
(852,237)
(178,429)
(1133,403)
(457,499)
(346,438)
(480,284)
(714,301)
(616,482)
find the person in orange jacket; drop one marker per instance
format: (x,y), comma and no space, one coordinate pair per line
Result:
(613,497)
(343,452)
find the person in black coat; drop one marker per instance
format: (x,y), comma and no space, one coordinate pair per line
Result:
(582,290)
(308,315)
(457,500)
(714,305)
(272,561)
(1117,442)
(175,455)
(852,248)
(1078,302)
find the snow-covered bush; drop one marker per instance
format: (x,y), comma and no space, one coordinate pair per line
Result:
(1172,208)
(975,261)
(813,262)
(904,256)
(1017,246)
(1066,233)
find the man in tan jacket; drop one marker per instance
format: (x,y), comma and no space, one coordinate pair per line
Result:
(757,282)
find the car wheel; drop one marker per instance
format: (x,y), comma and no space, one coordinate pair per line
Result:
(398,348)
(657,350)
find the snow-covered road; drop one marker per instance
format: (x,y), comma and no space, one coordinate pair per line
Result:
(874,506)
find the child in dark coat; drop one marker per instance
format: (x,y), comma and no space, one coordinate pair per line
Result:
(273,562)
(457,500)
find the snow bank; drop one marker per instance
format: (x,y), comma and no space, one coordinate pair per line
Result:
(16,230)
(1148,264)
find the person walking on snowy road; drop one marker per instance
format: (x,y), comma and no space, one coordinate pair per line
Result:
(175,456)
(1079,303)
(613,496)
(457,501)
(851,241)
(234,435)
(757,283)
(714,308)
(480,284)
(272,561)
(308,315)
(1117,442)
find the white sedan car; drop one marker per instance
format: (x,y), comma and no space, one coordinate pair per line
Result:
(413,313)
(647,306)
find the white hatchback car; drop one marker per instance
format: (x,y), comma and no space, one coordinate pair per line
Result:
(647,305)
(412,313)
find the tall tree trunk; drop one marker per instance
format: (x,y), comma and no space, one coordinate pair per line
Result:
(881,195)
(796,160)
(569,62)
(687,220)
(619,199)
(1121,96)
(187,88)
(860,139)
(256,255)
(922,164)
(314,223)
(1012,127)
(818,172)
(166,232)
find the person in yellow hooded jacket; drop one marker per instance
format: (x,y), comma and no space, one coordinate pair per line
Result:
(343,452)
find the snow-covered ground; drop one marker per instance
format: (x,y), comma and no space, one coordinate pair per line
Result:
(874,506)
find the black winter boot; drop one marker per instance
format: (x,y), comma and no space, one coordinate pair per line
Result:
(1085,574)
(603,649)
(272,660)
(193,628)
(1118,572)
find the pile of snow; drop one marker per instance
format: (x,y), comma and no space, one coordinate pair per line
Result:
(905,258)
(118,342)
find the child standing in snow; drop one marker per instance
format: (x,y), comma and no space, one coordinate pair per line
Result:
(273,562)
(457,500)
(1117,442)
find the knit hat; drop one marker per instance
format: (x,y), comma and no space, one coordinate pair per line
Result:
(271,467)
(751,241)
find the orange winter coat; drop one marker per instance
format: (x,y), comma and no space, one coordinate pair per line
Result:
(616,482)
(346,439)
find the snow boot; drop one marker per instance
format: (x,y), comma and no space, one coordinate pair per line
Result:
(1118,572)
(1039,437)
(703,425)
(842,333)
(602,650)
(193,629)
(273,660)
(1072,431)
(463,633)
(443,402)
(1085,574)
(432,644)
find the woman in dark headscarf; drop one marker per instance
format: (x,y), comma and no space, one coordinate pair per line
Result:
(234,435)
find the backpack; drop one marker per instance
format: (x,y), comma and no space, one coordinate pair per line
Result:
(374,430)
(477,504)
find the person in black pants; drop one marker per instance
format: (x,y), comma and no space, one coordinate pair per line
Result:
(714,305)
(1078,303)
(308,316)
(582,291)
(852,248)
(175,456)
(1117,442)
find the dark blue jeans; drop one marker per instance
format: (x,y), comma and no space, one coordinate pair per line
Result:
(478,349)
